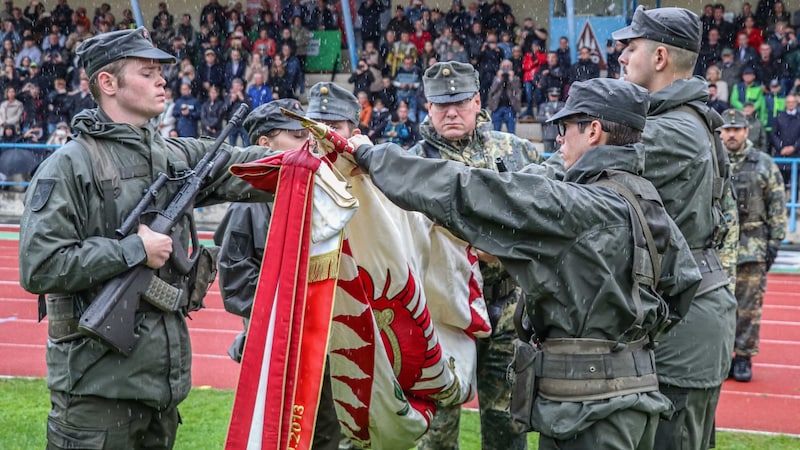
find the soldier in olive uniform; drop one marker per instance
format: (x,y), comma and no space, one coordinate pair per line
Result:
(457,129)
(243,231)
(689,168)
(598,289)
(762,225)
(102,399)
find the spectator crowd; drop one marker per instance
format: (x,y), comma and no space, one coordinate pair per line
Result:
(228,56)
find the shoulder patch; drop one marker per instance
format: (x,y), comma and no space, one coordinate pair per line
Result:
(42,193)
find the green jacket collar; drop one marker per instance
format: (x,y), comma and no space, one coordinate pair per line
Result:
(607,157)
(97,124)
(678,93)
(455,150)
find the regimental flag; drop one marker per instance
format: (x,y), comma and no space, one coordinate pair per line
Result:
(275,407)
(402,328)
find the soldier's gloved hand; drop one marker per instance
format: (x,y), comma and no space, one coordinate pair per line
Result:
(772,253)
(358,140)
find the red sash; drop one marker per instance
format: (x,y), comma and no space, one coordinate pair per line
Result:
(274,408)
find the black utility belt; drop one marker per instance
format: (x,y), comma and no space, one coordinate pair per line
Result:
(64,310)
(586,369)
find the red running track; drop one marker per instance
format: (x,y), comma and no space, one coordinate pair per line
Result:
(769,403)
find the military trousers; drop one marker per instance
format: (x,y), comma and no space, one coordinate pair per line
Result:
(498,431)
(624,429)
(751,285)
(89,422)
(692,424)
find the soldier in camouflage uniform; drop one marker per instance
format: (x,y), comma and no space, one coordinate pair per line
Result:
(458,129)
(762,223)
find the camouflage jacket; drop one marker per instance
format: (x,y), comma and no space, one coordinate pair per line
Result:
(481,149)
(760,199)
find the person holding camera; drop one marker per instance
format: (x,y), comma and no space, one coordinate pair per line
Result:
(505,98)
(362,78)
(61,135)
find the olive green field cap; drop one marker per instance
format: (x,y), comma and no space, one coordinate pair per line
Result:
(733,118)
(609,99)
(450,82)
(103,49)
(268,117)
(329,101)
(678,27)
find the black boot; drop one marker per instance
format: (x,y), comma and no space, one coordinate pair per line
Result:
(742,370)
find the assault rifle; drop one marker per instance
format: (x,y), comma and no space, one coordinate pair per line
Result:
(111,316)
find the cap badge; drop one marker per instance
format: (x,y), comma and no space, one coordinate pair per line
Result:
(323,90)
(446,72)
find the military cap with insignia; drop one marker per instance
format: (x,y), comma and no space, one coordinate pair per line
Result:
(610,99)
(733,118)
(329,101)
(678,27)
(450,82)
(103,49)
(268,117)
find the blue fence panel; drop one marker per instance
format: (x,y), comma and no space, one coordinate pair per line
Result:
(22,145)
(791,202)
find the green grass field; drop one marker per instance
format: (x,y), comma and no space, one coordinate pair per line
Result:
(205,418)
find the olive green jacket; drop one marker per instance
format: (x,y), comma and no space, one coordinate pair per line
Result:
(64,249)
(696,353)
(564,242)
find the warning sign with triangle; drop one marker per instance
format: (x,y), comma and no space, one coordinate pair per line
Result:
(588,38)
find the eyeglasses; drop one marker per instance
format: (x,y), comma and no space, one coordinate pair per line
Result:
(463,105)
(298,134)
(562,125)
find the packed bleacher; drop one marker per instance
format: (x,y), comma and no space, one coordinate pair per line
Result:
(228,56)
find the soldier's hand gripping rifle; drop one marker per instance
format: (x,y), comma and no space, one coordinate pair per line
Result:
(111,316)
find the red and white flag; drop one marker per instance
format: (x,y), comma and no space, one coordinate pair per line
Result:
(408,306)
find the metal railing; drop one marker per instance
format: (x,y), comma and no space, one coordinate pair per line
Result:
(22,145)
(791,203)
